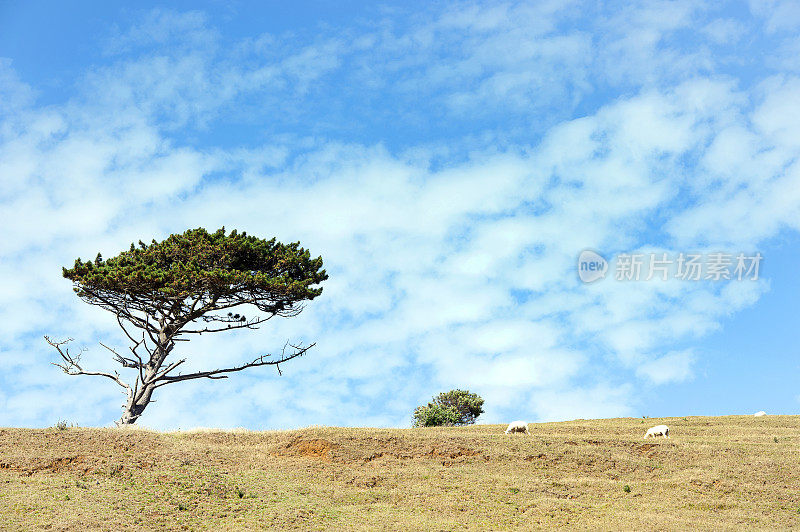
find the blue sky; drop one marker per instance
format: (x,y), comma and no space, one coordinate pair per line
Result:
(449,161)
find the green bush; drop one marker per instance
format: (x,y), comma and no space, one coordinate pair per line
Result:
(435,415)
(456,407)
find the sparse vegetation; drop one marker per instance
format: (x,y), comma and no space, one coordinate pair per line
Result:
(714,473)
(626,488)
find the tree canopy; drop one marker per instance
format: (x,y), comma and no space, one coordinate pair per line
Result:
(201,268)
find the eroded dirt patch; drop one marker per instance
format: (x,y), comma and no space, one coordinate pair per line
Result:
(311,448)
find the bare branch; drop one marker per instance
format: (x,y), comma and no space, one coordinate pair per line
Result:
(216,374)
(118,308)
(71,366)
(119,320)
(125,361)
(169,368)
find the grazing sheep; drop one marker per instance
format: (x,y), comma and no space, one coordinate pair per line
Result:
(517,426)
(658,430)
(759,414)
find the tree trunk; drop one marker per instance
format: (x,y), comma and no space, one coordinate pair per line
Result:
(135,405)
(137,402)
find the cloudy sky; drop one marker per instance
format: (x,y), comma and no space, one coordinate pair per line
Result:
(449,161)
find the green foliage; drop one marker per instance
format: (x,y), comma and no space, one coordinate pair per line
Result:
(61,425)
(626,488)
(219,268)
(434,415)
(468,405)
(456,407)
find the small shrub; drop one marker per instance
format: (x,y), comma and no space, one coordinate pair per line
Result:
(435,415)
(514,490)
(240,492)
(626,488)
(61,425)
(182,507)
(456,407)
(775,439)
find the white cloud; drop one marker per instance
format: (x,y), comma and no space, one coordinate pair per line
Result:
(14,94)
(675,366)
(600,401)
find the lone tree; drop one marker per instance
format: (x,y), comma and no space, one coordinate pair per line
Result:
(456,407)
(165,291)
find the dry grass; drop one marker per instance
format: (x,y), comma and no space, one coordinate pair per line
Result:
(714,473)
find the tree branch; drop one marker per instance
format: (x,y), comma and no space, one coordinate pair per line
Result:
(125,361)
(169,368)
(251,324)
(216,374)
(119,320)
(71,366)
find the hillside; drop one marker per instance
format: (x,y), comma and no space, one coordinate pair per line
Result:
(715,473)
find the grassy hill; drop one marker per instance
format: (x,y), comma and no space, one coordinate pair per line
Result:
(715,473)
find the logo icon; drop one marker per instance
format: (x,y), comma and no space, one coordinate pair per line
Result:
(591,266)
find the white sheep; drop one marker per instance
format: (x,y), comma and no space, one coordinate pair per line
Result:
(759,414)
(658,430)
(517,426)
